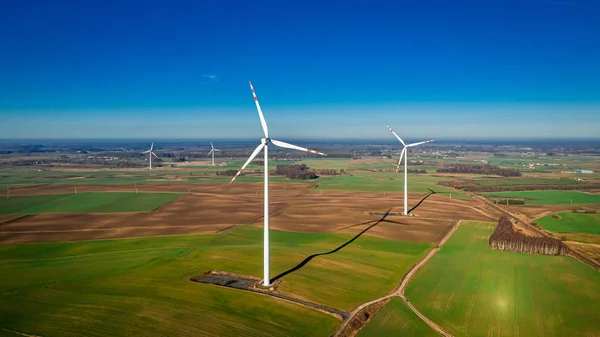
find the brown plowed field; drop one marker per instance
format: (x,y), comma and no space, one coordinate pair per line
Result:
(237,189)
(6,218)
(214,207)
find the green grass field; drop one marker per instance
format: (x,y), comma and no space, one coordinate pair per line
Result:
(563,163)
(572,223)
(473,290)
(101,202)
(326,163)
(396,319)
(548,197)
(364,181)
(526,181)
(142,287)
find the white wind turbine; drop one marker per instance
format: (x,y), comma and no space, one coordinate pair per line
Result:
(150,154)
(213,153)
(264,144)
(405,154)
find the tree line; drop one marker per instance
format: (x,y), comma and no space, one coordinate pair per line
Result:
(506,238)
(515,188)
(415,171)
(301,172)
(480,169)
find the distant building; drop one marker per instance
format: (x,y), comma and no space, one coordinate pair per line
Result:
(583,171)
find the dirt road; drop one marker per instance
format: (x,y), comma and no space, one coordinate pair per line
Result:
(527,222)
(399,292)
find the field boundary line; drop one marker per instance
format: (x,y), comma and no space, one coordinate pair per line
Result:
(17,219)
(89,254)
(19,333)
(573,253)
(398,291)
(338,314)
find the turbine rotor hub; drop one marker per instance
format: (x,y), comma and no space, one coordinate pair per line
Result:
(266,141)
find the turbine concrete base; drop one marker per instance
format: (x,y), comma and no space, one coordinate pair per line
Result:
(252,283)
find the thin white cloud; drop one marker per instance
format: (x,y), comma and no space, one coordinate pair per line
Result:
(212,77)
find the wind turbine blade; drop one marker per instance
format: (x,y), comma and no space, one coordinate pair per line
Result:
(211,151)
(400,161)
(146,151)
(295,147)
(392,131)
(211,145)
(152,146)
(154,154)
(217,150)
(260,114)
(252,156)
(419,143)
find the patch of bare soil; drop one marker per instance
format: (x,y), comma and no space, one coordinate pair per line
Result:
(361,319)
(7,218)
(238,189)
(216,207)
(200,163)
(538,211)
(589,249)
(521,228)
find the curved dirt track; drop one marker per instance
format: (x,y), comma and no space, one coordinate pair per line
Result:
(399,292)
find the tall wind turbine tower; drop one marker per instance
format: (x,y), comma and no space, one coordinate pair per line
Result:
(150,154)
(405,154)
(212,150)
(264,144)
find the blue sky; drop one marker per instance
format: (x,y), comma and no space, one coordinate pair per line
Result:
(433,69)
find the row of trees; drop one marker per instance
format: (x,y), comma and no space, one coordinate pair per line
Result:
(291,172)
(509,188)
(227,173)
(295,172)
(400,170)
(480,169)
(506,238)
(330,172)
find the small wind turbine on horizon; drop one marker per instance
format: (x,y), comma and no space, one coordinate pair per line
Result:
(150,154)
(213,149)
(405,154)
(264,144)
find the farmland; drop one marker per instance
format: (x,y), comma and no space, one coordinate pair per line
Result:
(106,202)
(568,222)
(396,319)
(330,241)
(548,197)
(471,289)
(386,182)
(148,280)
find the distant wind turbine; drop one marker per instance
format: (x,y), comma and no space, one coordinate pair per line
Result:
(213,153)
(405,154)
(150,154)
(264,144)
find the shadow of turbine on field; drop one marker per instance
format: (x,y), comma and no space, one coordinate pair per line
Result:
(420,202)
(307,260)
(368,222)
